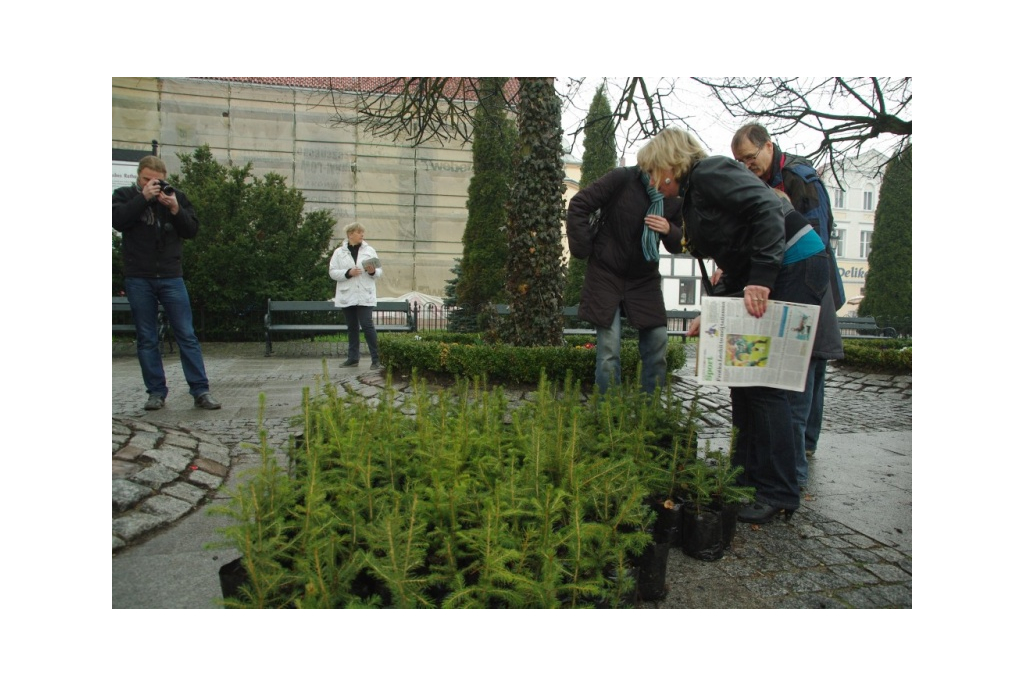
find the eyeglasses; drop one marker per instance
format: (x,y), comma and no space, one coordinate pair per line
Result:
(745,161)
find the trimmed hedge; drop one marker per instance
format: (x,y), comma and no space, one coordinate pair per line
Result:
(879,356)
(468,355)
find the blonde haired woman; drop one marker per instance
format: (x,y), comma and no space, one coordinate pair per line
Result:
(732,217)
(356,292)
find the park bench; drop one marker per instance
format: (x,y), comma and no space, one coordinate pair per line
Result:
(323,317)
(572,312)
(863,327)
(121,321)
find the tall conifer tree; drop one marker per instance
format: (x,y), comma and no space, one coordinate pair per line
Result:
(888,285)
(599,157)
(484,245)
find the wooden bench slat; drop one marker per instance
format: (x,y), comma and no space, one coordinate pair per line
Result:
(411,313)
(863,327)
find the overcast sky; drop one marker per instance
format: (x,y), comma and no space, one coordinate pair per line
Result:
(706,117)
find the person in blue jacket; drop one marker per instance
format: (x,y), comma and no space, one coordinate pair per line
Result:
(797,178)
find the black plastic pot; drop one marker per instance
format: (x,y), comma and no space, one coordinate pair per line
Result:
(728,512)
(232,577)
(651,569)
(702,532)
(669,521)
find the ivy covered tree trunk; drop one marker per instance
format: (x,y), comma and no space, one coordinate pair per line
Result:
(484,247)
(599,157)
(535,269)
(888,285)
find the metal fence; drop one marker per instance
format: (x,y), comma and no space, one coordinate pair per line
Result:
(247,326)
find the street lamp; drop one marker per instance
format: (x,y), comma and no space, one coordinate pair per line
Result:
(833,238)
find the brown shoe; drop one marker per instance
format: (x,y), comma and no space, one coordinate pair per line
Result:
(206,401)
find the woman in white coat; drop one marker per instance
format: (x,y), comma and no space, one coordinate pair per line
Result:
(356,292)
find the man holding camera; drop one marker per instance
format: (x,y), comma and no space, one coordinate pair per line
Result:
(154,219)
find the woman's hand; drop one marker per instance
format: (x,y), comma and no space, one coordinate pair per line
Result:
(694,327)
(658,224)
(755,297)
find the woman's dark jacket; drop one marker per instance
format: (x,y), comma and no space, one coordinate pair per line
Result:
(732,217)
(616,269)
(152,235)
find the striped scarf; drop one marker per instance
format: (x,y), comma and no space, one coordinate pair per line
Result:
(650,238)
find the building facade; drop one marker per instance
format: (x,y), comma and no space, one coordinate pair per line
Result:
(854,196)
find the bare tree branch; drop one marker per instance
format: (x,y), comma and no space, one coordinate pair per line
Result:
(415,108)
(846,112)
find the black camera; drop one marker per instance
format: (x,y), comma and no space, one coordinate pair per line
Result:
(165,187)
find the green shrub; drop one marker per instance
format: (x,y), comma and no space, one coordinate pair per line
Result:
(452,499)
(469,355)
(879,356)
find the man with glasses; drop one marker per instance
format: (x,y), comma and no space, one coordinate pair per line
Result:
(752,147)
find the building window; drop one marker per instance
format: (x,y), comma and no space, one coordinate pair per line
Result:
(841,243)
(687,291)
(869,200)
(840,196)
(865,244)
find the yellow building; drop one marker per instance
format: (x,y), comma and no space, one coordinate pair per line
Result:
(853,207)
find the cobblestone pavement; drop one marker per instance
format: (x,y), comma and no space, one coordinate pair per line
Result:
(170,463)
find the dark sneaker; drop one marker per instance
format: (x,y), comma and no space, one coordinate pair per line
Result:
(154,402)
(350,362)
(206,401)
(375,366)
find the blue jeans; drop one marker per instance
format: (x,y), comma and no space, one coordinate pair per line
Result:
(356,318)
(653,347)
(804,407)
(817,410)
(144,296)
(807,282)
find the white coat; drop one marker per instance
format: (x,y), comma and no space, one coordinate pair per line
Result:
(360,290)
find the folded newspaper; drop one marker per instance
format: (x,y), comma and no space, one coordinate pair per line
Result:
(737,349)
(373,261)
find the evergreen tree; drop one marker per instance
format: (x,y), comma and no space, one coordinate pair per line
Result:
(484,247)
(459,320)
(254,243)
(887,287)
(536,274)
(599,157)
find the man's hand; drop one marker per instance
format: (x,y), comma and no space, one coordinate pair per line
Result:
(151,190)
(694,327)
(169,201)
